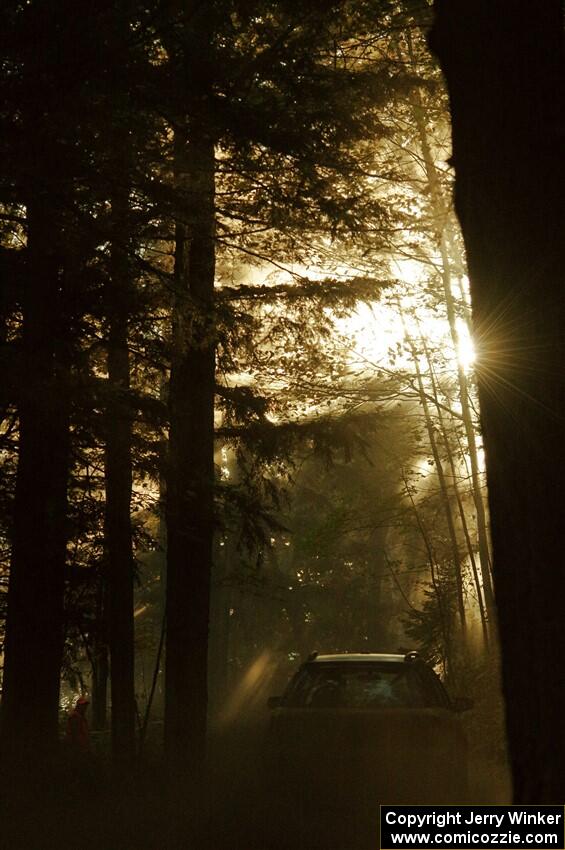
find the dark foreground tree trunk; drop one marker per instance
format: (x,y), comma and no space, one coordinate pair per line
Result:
(34,628)
(190,480)
(505,68)
(118,481)
(99,685)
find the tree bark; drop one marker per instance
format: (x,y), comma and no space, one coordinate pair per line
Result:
(118,483)
(190,481)
(99,686)
(34,628)
(505,70)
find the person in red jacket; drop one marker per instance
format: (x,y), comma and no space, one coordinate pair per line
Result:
(78,734)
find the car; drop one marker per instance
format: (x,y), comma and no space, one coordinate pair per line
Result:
(376,726)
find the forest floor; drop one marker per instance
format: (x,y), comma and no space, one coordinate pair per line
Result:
(86,806)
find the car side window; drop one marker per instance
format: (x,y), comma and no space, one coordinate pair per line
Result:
(435,688)
(298,687)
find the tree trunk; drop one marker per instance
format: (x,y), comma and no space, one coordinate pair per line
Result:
(190,482)
(98,658)
(99,686)
(443,606)
(444,432)
(443,489)
(505,69)
(118,482)
(34,628)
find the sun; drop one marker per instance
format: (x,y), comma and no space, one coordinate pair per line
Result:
(381,334)
(466,352)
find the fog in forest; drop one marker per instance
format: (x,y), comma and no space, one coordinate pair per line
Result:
(246,585)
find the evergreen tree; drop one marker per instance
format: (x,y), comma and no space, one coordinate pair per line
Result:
(507,120)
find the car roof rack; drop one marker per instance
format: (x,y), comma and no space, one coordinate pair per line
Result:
(312,656)
(412,656)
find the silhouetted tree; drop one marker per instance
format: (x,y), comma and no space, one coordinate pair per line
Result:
(505,70)
(40,178)
(238,75)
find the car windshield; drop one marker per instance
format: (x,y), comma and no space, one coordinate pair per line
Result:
(354,685)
